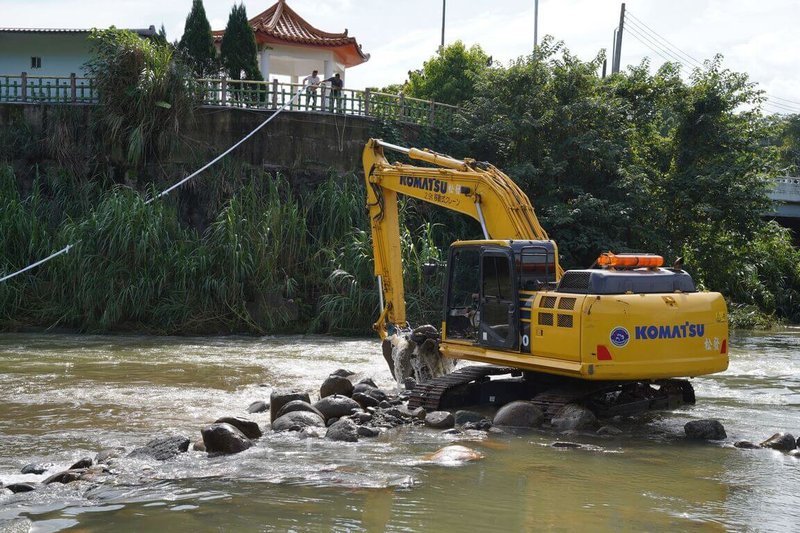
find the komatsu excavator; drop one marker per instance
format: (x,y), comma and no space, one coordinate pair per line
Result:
(614,337)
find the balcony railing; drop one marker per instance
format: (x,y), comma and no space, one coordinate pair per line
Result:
(248,95)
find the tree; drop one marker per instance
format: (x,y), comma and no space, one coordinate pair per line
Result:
(198,43)
(450,76)
(239,50)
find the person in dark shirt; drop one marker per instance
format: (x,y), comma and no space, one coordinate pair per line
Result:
(337,83)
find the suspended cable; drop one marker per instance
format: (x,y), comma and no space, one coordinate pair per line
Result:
(168,190)
(668,57)
(636,20)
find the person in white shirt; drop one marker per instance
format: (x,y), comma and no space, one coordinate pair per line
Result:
(311,83)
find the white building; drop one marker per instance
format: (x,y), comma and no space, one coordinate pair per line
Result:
(289,46)
(47,51)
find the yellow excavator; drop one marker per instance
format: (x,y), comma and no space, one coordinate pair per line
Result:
(614,337)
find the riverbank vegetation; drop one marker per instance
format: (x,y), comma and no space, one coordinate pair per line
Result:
(641,161)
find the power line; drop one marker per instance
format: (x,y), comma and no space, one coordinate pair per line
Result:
(655,47)
(634,20)
(665,58)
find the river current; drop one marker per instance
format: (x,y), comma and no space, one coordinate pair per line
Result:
(64,397)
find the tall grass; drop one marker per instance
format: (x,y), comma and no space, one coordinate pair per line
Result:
(273,258)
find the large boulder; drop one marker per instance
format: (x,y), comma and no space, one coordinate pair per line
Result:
(163,448)
(249,428)
(298,420)
(67,476)
(780,441)
(336,406)
(454,454)
(258,406)
(463,417)
(519,414)
(365,400)
(341,372)
(439,419)
(574,417)
(336,385)
(298,405)
(20,487)
(224,439)
(343,430)
(707,429)
(35,468)
(281,397)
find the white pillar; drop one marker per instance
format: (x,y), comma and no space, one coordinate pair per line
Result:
(328,65)
(265,64)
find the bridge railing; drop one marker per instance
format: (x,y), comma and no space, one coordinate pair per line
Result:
(246,94)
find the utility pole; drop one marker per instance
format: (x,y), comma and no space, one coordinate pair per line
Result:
(615,64)
(441,46)
(535,23)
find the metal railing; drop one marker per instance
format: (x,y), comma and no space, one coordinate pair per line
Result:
(246,94)
(47,89)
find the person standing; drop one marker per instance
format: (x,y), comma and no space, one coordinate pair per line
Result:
(337,83)
(311,84)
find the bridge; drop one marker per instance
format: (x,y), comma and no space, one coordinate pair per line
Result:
(786,199)
(258,95)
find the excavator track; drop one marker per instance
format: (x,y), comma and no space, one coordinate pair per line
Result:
(429,394)
(605,399)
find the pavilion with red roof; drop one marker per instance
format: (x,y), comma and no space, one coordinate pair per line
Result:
(289,46)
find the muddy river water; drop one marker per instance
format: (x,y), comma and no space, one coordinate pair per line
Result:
(63,397)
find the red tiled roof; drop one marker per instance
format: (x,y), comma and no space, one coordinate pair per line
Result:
(281,24)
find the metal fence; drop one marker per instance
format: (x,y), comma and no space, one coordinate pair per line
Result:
(249,95)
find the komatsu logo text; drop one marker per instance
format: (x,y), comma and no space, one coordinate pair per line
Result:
(426,184)
(681,331)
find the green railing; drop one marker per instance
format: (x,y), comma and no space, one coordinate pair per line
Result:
(47,89)
(249,95)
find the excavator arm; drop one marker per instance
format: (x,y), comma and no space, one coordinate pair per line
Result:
(476,189)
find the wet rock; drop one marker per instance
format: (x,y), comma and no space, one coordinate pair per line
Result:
(336,385)
(421,361)
(609,430)
(104,456)
(279,398)
(369,382)
(365,400)
(311,433)
(224,439)
(342,373)
(399,411)
(298,405)
(35,468)
(298,420)
(258,406)
(481,425)
(384,404)
(439,420)
(85,462)
(462,417)
(560,444)
(248,428)
(378,394)
(746,445)
(574,417)
(199,445)
(519,414)
(67,476)
(409,383)
(365,431)
(16,488)
(419,413)
(780,441)
(336,406)
(361,418)
(452,431)
(707,429)
(331,421)
(344,430)
(794,453)
(423,333)
(95,473)
(387,349)
(163,448)
(454,454)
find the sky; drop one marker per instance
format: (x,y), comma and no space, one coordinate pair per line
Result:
(760,38)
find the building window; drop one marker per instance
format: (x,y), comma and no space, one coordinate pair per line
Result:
(36,62)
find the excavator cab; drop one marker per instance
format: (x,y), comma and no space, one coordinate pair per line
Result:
(483,283)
